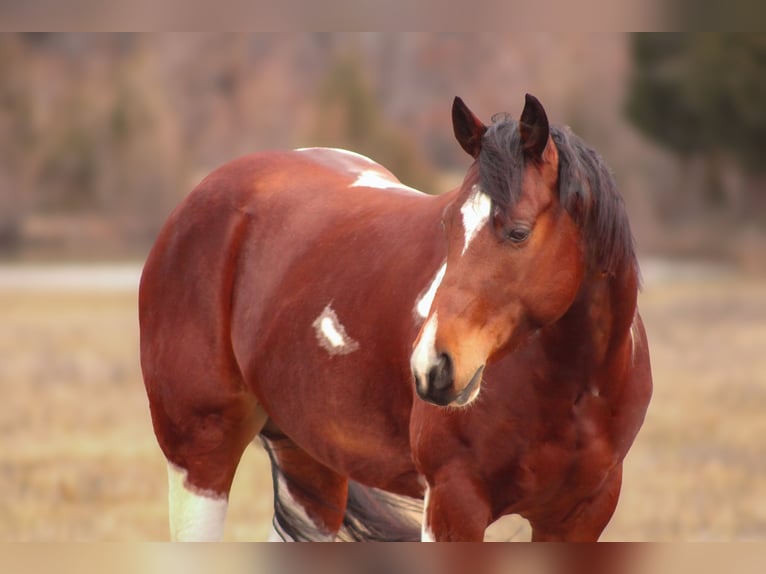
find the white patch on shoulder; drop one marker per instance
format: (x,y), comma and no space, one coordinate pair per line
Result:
(195,515)
(425,530)
(476,211)
(379,180)
(424,354)
(332,335)
(424,302)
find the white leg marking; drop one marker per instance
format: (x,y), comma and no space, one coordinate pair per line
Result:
(424,354)
(331,334)
(425,530)
(423,305)
(476,211)
(195,515)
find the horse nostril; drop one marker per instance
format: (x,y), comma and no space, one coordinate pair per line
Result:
(440,374)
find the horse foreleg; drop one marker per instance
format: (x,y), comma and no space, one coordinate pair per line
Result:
(455,509)
(587,520)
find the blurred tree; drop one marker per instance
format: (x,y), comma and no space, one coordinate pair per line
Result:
(702,95)
(348,116)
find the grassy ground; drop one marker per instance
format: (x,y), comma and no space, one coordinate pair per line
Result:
(78,460)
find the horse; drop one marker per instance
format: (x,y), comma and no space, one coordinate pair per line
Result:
(480,351)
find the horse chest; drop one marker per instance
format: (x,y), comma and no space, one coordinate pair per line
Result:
(553,467)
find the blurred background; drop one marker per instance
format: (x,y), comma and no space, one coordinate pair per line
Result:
(101,135)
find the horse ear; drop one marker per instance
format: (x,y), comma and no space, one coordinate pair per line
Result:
(534,128)
(468,128)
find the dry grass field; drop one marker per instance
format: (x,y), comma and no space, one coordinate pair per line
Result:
(78,460)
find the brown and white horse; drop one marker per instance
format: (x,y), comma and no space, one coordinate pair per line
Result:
(481,350)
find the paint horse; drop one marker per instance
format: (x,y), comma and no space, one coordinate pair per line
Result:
(480,350)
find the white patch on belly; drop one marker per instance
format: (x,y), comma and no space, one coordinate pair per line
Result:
(331,334)
(379,180)
(424,302)
(425,530)
(476,211)
(195,515)
(424,354)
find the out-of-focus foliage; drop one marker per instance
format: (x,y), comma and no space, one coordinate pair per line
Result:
(102,134)
(702,93)
(350,116)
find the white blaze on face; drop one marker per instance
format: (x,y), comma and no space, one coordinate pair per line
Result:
(476,211)
(195,515)
(423,305)
(424,354)
(635,337)
(425,529)
(331,334)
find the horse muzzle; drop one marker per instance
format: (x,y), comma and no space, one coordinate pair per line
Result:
(437,384)
(446,374)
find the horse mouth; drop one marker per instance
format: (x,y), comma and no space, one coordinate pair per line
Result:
(471,391)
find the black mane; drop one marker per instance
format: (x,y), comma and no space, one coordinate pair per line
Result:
(587,189)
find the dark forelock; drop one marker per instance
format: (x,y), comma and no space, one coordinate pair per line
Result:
(587,189)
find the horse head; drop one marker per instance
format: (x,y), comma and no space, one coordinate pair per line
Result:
(515,254)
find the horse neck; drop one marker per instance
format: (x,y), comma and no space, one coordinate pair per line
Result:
(594,336)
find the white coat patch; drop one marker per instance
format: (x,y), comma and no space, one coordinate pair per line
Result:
(331,334)
(350,154)
(370,175)
(476,211)
(423,305)
(195,515)
(380,180)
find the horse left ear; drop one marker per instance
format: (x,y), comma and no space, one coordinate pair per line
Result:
(534,128)
(468,128)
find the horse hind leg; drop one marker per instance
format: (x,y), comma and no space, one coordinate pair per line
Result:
(309,498)
(203,450)
(314,503)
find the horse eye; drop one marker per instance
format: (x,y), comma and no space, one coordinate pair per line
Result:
(517,234)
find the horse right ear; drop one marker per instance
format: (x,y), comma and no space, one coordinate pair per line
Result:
(468,128)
